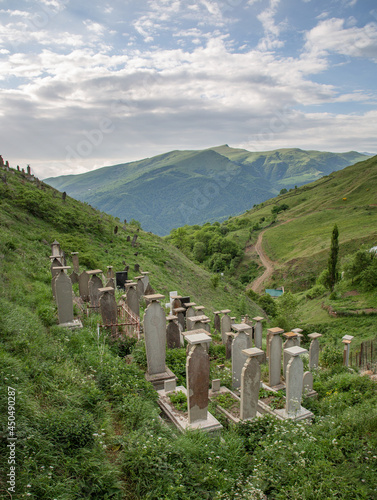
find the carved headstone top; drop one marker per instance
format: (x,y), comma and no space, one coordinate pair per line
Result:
(295,350)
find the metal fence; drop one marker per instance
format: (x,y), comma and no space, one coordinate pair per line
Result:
(365,357)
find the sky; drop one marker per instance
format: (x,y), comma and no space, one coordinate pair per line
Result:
(86,84)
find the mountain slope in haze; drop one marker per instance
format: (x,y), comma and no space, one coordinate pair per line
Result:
(191,187)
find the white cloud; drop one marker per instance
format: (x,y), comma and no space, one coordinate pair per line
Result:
(271,29)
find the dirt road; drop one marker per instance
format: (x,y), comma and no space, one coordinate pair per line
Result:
(257,285)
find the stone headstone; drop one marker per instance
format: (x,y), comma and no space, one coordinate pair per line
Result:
(217,322)
(132,299)
(216,385)
(155,336)
(121,278)
(133,243)
(110,283)
(145,279)
(128,238)
(226,324)
(250,383)
(55,249)
(64,297)
(295,374)
(75,262)
(110,272)
(84,286)
(197,376)
(95,283)
(228,345)
(314,350)
(173,334)
(190,312)
(137,268)
(139,286)
(258,332)
(241,341)
(307,382)
(291,341)
(74,277)
(108,308)
(275,352)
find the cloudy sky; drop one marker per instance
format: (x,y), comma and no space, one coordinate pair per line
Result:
(85,83)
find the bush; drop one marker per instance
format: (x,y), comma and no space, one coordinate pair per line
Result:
(316,291)
(71,429)
(330,356)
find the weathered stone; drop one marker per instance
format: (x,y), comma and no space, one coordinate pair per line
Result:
(307,382)
(197,376)
(226,324)
(139,286)
(155,337)
(291,341)
(145,279)
(216,384)
(110,283)
(120,279)
(295,373)
(314,350)
(55,249)
(95,283)
(173,334)
(274,360)
(258,332)
(137,268)
(133,243)
(84,286)
(132,300)
(228,345)
(64,298)
(241,341)
(110,272)
(108,308)
(74,277)
(250,383)
(217,321)
(75,262)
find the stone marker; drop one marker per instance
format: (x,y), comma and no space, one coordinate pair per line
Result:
(216,384)
(170,385)
(250,383)
(314,350)
(155,342)
(120,279)
(241,341)
(180,313)
(64,298)
(84,286)
(274,360)
(295,374)
(108,307)
(75,262)
(299,334)
(133,243)
(137,268)
(226,324)
(173,334)
(74,277)
(228,345)
(132,299)
(196,322)
(197,376)
(346,340)
(243,327)
(55,249)
(145,279)
(95,283)
(207,325)
(307,382)
(258,329)
(110,283)
(291,341)
(217,322)
(55,266)
(190,312)
(139,286)
(110,272)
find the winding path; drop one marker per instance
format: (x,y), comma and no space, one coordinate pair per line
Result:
(256,286)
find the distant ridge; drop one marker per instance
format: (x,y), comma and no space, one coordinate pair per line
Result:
(196,186)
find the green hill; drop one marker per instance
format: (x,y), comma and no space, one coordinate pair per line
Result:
(193,187)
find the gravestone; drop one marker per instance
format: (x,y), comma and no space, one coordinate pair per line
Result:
(241,341)
(145,279)
(307,383)
(299,334)
(110,272)
(64,298)
(132,299)
(74,277)
(139,286)
(258,331)
(137,268)
(75,262)
(217,322)
(55,249)
(180,313)
(196,322)
(190,312)
(84,286)
(295,374)
(95,283)
(228,345)
(314,350)
(291,341)
(346,341)
(55,265)
(274,360)
(110,283)
(226,324)
(207,325)
(155,342)
(197,376)
(128,238)
(120,279)
(216,385)
(133,243)
(108,308)
(243,327)
(173,334)
(250,383)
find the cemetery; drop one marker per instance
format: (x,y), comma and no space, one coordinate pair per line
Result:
(126,391)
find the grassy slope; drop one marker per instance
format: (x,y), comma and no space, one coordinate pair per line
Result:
(184,187)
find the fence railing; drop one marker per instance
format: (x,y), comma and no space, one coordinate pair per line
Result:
(365,356)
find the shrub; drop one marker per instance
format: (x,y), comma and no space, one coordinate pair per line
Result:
(316,291)
(70,429)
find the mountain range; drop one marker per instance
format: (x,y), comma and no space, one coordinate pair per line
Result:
(195,186)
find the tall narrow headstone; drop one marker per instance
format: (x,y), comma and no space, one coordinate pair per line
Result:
(226,324)
(95,283)
(133,243)
(173,335)
(258,329)
(74,277)
(250,383)
(241,341)
(190,312)
(132,299)
(180,313)
(84,286)
(145,279)
(108,308)
(120,279)
(274,360)
(295,373)
(314,350)
(139,286)
(228,345)
(110,283)
(110,272)
(291,340)
(197,376)
(346,340)
(55,249)
(307,383)
(64,298)
(137,268)
(217,322)
(299,334)
(75,262)
(196,322)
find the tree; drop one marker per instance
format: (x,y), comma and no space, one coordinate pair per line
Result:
(333,259)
